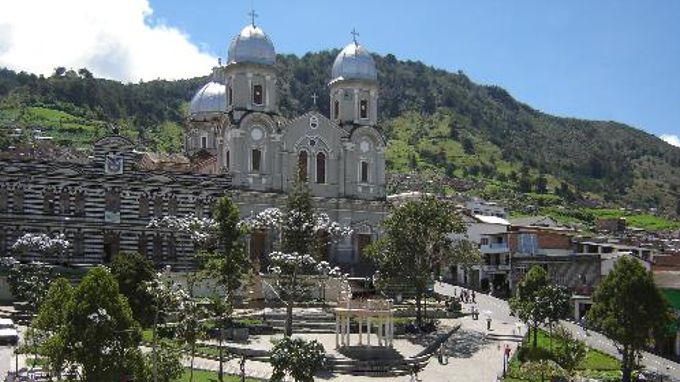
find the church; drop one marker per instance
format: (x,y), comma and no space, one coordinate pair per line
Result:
(236,143)
(234,118)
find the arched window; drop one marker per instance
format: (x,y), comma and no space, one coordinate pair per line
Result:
(65,201)
(143,206)
(18,206)
(231,95)
(302,166)
(364,172)
(320,168)
(256,160)
(141,244)
(336,109)
(257,94)
(227,162)
(48,202)
(363,108)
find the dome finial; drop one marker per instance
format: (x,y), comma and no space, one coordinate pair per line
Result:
(354,34)
(252,15)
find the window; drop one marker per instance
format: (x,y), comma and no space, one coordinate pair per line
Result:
(48,202)
(204,142)
(78,245)
(199,208)
(302,166)
(364,172)
(363,108)
(3,200)
(80,203)
(143,206)
(227,163)
(257,94)
(336,109)
(172,247)
(231,96)
(320,168)
(172,206)
(65,202)
(18,200)
(158,206)
(141,244)
(256,159)
(157,246)
(484,241)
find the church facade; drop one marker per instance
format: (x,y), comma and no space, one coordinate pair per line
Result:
(234,118)
(237,144)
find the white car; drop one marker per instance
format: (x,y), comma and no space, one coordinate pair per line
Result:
(8,332)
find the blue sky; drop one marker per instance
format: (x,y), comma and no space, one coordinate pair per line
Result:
(611,60)
(596,59)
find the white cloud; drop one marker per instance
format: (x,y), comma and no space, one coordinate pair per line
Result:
(115,39)
(672,139)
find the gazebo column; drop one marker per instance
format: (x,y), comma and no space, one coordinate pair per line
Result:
(348,331)
(390,324)
(337,331)
(368,330)
(361,342)
(380,332)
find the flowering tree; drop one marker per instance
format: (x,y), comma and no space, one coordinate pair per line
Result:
(326,272)
(304,234)
(42,243)
(202,231)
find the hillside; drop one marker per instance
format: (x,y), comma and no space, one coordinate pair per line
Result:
(439,124)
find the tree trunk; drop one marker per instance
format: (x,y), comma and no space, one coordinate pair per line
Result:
(154,340)
(220,376)
(626,365)
(289,319)
(191,365)
(419,316)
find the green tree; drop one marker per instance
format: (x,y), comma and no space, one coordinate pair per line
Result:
(525,305)
(133,271)
(298,358)
(417,242)
(227,265)
(468,146)
(100,334)
(542,184)
(51,319)
(628,308)
(569,352)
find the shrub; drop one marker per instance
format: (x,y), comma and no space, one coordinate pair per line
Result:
(299,358)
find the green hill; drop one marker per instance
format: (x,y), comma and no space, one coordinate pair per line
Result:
(439,125)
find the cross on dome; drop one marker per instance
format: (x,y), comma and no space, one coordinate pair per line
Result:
(354,34)
(252,15)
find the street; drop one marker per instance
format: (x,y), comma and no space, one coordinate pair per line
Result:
(501,311)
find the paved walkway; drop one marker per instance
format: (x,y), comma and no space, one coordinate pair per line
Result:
(501,311)
(471,356)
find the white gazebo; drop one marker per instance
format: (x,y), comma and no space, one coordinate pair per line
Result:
(372,312)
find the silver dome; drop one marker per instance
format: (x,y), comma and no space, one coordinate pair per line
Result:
(354,63)
(252,45)
(211,98)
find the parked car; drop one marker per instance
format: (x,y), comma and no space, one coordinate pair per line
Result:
(8,332)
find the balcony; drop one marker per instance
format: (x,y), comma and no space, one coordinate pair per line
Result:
(496,267)
(494,248)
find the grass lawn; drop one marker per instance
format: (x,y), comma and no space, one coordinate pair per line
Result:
(208,376)
(595,363)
